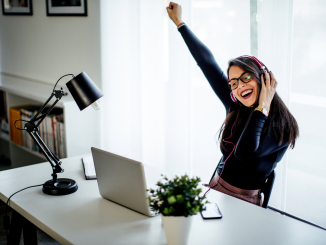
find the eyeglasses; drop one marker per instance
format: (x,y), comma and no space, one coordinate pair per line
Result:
(246,77)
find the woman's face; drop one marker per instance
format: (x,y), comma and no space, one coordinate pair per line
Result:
(248,99)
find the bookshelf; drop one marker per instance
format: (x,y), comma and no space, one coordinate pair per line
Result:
(82,128)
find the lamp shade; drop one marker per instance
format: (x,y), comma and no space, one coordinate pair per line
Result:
(83,90)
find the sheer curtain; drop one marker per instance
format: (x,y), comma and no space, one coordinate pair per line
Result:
(274,19)
(223,26)
(306,181)
(158,107)
(146,82)
(291,37)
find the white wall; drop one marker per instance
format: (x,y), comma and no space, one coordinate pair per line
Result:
(42,49)
(45,48)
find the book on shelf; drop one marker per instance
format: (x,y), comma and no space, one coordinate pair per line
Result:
(26,115)
(50,130)
(58,136)
(62,146)
(16,135)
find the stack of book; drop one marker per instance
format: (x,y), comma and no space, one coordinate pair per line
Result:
(51,130)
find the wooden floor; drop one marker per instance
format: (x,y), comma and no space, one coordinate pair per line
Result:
(43,238)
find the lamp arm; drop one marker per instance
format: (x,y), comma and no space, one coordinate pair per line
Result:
(32,128)
(47,113)
(54,93)
(58,94)
(33,119)
(53,160)
(46,149)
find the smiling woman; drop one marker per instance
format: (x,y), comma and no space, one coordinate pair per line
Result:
(254,76)
(245,92)
(258,128)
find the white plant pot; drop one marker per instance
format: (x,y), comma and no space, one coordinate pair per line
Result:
(176,229)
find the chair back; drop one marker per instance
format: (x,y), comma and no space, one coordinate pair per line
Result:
(267,188)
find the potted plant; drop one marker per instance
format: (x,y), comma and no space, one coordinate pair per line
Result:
(177,200)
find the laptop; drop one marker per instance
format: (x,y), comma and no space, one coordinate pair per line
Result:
(122,181)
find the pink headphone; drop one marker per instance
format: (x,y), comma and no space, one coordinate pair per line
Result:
(261,66)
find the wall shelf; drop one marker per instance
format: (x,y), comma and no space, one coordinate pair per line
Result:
(82,128)
(35,153)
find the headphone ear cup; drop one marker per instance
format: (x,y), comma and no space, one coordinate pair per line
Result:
(263,73)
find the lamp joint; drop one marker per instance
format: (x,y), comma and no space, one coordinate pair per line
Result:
(58,94)
(30,127)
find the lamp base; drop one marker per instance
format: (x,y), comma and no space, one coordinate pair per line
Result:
(60,187)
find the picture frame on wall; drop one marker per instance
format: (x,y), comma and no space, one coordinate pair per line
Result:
(66,7)
(17,7)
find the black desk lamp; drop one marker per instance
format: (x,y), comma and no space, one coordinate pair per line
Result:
(85,93)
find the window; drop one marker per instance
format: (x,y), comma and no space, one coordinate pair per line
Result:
(306,173)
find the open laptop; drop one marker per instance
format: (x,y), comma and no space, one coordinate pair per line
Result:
(121,180)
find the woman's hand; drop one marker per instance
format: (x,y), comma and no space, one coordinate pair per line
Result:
(175,12)
(268,89)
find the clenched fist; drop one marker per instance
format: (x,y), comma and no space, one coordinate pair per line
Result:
(175,12)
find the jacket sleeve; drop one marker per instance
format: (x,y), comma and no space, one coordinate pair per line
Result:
(252,144)
(206,61)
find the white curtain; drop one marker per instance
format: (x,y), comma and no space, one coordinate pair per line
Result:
(146,82)
(274,20)
(291,37)
(223,26)
(158,107)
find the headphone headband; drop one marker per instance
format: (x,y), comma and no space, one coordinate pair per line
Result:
(261,66)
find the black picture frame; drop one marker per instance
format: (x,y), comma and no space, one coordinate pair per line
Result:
(66,7)
(13,8)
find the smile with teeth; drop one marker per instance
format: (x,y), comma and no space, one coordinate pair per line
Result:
(246,93)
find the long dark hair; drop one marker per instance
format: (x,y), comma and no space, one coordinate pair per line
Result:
(280,122)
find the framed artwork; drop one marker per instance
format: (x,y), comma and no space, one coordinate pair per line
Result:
(17,7)
(66,7)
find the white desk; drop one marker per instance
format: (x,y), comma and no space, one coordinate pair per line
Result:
(86,218)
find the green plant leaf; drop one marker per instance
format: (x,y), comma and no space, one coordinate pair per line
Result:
(171,199)
(180,198)
(188,204)
(166,211)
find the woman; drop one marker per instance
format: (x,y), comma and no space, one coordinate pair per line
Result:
(258,127)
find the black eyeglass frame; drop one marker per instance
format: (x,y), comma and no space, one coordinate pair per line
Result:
(239,78)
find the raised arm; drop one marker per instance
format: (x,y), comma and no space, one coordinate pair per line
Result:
(204,58)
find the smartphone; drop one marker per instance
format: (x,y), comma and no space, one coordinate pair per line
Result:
(212,211)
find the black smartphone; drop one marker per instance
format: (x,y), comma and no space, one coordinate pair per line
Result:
(212,211)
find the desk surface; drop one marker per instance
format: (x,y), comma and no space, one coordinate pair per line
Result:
(86,218)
